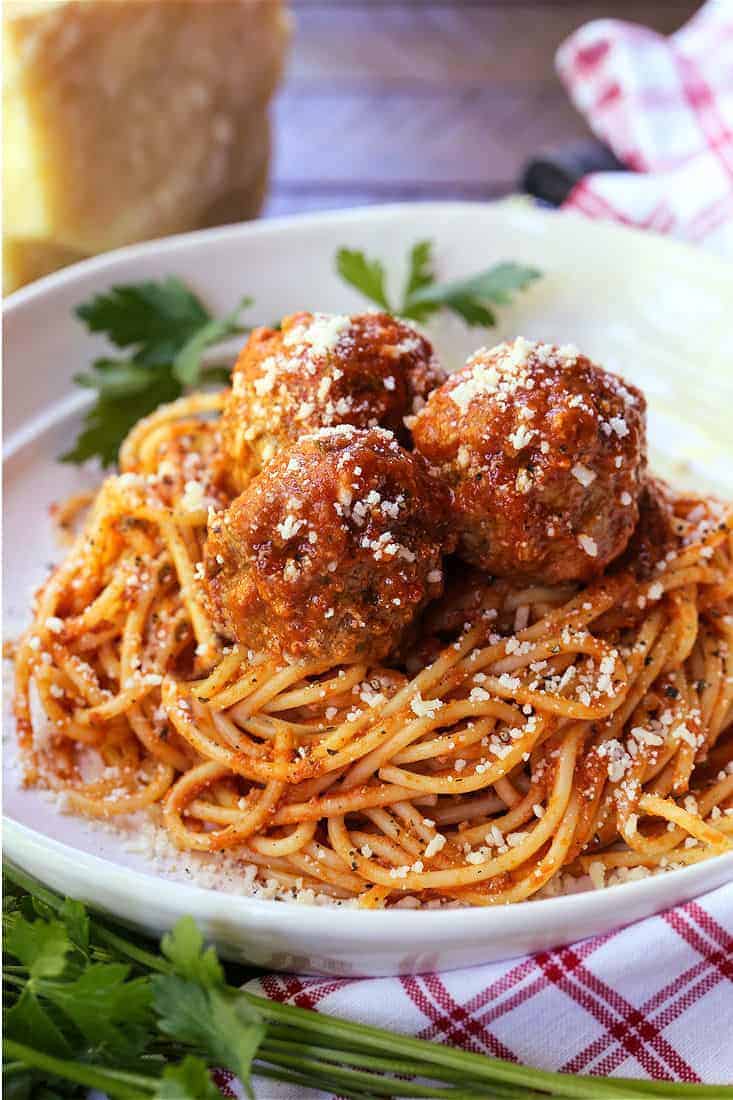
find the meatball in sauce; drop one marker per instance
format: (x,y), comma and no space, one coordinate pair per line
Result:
(322,370)
(546,454)
(332,549)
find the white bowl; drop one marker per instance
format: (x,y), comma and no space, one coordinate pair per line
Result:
(654,310)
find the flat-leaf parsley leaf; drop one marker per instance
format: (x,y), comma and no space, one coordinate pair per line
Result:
(184,948)
(223,1024)
(190,1080)
(368,276)
(423,295)
(156,318)
(164,329)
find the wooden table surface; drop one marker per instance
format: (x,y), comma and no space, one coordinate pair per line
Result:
(416,99)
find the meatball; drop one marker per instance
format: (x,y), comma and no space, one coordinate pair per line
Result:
(321,370)
(655,532)
(546,455)
(332,549)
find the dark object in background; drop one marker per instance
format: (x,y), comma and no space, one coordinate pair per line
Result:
(552,174)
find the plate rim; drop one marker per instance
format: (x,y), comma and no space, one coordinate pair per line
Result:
(481,916)
(283,223)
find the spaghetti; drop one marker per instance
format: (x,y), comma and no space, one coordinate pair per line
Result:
(562,729)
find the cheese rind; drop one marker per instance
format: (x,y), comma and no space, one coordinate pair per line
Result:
(131,119)
(24,261)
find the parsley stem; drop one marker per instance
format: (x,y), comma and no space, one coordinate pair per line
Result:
(117,1085)
(293,1078)
(130,950)
(380,1086)
(482,1067)
(11,1069)
(338,1053)
(31,885)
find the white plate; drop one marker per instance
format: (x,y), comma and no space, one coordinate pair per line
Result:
(656,311)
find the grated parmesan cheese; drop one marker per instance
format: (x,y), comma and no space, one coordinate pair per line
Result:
(425,708)
(582,474)
(589,545)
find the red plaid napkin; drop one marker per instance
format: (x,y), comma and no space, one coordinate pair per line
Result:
(654,999)
(665,107)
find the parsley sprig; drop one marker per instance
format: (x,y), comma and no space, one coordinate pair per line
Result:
(164,330)
(88,1006)
(422,295)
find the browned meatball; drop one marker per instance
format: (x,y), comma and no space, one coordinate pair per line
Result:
(332,549)
(321,370)
(546,454)
(655,532)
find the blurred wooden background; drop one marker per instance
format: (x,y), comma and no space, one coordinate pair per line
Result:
(418,99)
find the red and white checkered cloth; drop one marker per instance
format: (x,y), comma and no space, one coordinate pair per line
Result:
(653,1000)
(665,108)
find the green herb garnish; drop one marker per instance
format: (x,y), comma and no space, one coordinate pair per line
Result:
(164,328)
(89,1006)
(422,295)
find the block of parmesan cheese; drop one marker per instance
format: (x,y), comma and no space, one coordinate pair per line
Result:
(131,119)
